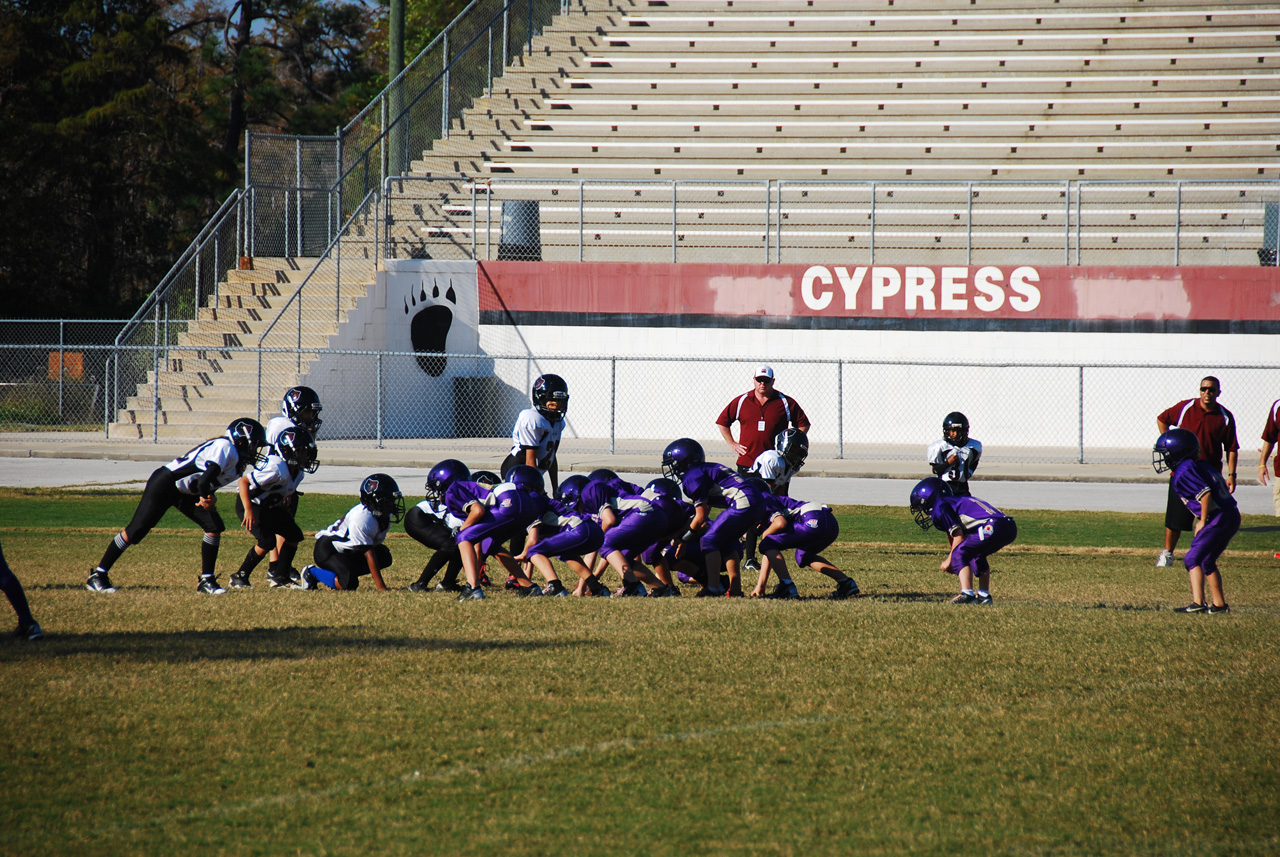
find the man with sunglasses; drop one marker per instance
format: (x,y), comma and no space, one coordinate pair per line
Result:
(1215,427)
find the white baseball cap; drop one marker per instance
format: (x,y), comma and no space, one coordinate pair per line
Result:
(764,372)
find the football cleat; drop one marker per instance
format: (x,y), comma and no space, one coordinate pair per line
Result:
(785,592)
(964,598)
(240,580)
(471,593)
(598,589)
(30,632)
(444,586)
(306,580)
(419,586)
(277,579)
(847,588)
(209,585)
(979,598)
(512,582)
(665,592)
(99,582)
(710,593)
(532,591)
(1214,608)
(1192,608)
(632,589)
(555,589)
(1164,559)
(750,564)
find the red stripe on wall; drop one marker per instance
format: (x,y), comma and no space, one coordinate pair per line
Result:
(885,291)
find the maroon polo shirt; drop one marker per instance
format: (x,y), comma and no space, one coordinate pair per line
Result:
(760,424)
(1215,428)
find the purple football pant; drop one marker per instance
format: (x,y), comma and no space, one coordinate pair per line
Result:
(1212,540)
(572,542)
(726,530)
(982,543)
(808,536)
(634,533)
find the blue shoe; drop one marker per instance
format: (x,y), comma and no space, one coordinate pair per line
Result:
(30,632)
(785,592)
(99,582)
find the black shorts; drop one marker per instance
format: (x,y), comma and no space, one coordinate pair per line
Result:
(271,521)
(348,566)
(1176,514)
(161,495)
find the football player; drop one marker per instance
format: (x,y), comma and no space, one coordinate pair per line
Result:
(188,484)
(493,518)
(28,627)
(569,535)
(660,556)
(776,467)
(300,406)
(808,529)
(430,523)
(536,435)
(265,509)
(975,528)
(956,456)
(1217,515)
(352,546)
(707,484)
(630,524)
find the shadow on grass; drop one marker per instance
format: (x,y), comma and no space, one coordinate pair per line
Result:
(257,644)
(1271,529)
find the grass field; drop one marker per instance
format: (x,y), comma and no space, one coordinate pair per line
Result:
(1078,715)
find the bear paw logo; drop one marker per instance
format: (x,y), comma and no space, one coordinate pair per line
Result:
(429,327)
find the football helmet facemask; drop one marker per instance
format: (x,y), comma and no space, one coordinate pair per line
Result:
(681,456)
(380,494)
(923,498)
(1173,447)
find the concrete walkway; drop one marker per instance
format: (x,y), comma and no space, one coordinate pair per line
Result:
(59,460)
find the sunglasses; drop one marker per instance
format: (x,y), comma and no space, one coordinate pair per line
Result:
(1208,389)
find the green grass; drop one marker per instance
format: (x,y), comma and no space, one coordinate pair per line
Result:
(1079,715)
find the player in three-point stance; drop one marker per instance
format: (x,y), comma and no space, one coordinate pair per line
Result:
(569,535)
(187,484)
(808,529)
(1209,500)
(352,546)
(265,506)
(975,529)
(955,457)
(492,517)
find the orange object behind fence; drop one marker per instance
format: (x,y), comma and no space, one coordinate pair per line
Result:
(70,362)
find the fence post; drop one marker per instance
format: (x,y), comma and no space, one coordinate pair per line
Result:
(444,87)
(297,175)
(840,408)
(378,395)
(613,405)
(257,405)
(155,386)
(62,369)
(1080,399)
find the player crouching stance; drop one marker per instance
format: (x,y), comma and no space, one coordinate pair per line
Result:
(353,545)
(187,484)
(265,505)
(808,529)
(1205,494)
(975,528)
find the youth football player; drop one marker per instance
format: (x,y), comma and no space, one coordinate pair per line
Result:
(975,530)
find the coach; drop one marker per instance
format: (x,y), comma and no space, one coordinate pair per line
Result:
(1215,427)
(761,413)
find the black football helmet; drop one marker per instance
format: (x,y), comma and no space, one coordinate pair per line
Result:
(547,389)
(380,494)
(955,428)
(486,477)
(571,488)
(298,448)
(250,440)
(527,478)
(680,456)
(793,445)
(444,474)
(302,405)
(1174,447)
(923,498)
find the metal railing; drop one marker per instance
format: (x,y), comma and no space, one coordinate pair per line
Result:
(911,222)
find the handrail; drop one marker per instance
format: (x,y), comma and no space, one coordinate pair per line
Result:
(162,290)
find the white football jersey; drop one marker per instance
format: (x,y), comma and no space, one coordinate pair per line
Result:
(276,427)
(532,429)
(968,455)
(356,531)
(439,510)
(773,468)
(271,482)
(220,451)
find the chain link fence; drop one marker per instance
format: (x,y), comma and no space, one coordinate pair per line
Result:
(1058,413)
